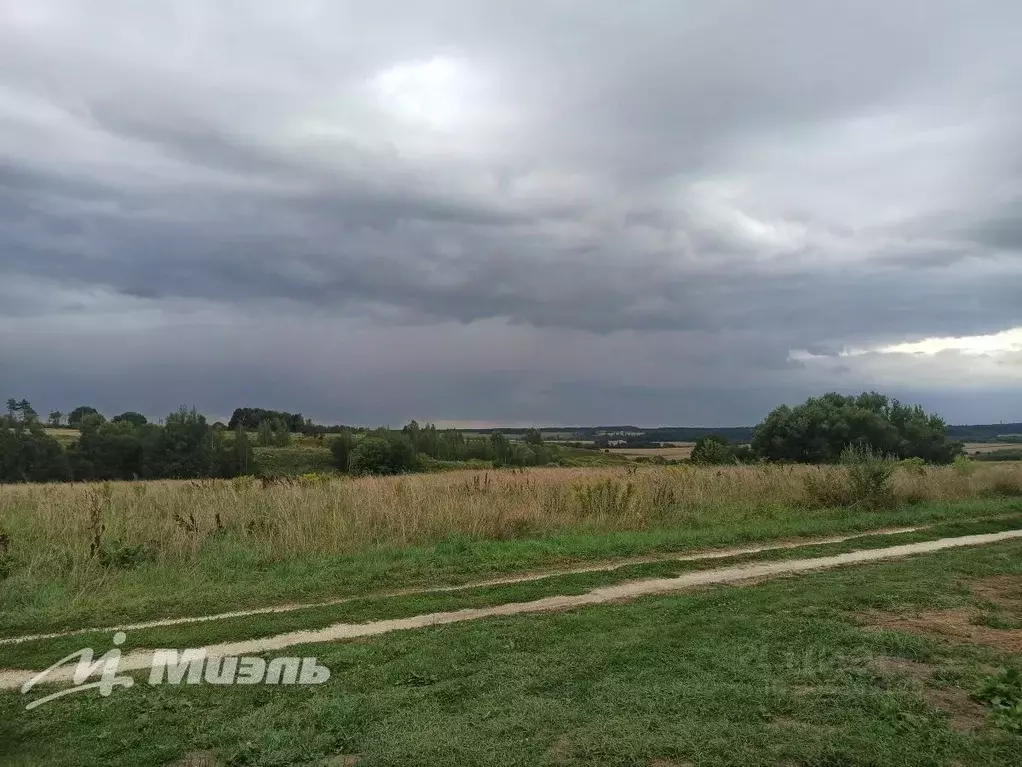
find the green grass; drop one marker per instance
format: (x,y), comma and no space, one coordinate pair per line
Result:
(292,460)
(777,673)
(227,576)
(575,456)
(40,653)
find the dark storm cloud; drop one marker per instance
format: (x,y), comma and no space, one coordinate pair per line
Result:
(559,199)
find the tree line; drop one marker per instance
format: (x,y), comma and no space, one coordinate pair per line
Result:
(383,451)
(185,446)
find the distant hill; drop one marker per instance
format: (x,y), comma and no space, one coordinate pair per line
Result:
(994,432)
(651,434)
(990,432)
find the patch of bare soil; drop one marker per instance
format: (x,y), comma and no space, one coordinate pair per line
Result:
(1005,591)
(342,760)
(960,625)
(198,759)
(963,713)
(953,625)
(669,763)
(559,751)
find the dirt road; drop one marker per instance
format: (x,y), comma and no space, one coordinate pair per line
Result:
(139,660)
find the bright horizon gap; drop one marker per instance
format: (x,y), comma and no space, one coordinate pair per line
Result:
(1001,342)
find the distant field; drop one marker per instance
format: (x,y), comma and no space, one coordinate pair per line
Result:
(63,434)
(989,447)
(677,451)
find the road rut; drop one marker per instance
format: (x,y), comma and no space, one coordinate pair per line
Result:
(140,660)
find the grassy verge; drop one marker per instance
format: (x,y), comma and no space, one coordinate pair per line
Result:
(777,673)
(38,654)
(226,574)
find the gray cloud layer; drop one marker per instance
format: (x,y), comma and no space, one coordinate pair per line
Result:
(560,212)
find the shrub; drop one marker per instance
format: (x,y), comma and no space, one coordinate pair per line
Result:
(1003,693)
(913,465)
(868,474)
(118,556)
(712,450)
(372,455)
(864,481)
(965,466)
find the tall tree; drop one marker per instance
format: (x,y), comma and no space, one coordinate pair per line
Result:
(821,428)
(74,418)
(27,412)
(130,416)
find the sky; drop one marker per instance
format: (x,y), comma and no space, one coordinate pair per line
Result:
(478,211)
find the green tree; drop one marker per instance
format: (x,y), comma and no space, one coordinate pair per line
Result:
(55,419)
(500,448)
(712,449)
(234,456)
(136,419)
(107,450)
(281,432)
(27,413)
(402,452)
(264,434)
(820,429)
(74,418)
(370,456)
(184,448)
(29,454)
(340,449)
(532,436)
(382,452)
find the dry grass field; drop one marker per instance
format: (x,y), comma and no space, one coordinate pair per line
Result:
(972,448)
(786,660)
(58,528)
(63,434)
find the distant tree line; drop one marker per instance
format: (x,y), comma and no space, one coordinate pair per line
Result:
(635,436)
(125,447)
(993,432)
(393,452)
(819,430)
(252,418)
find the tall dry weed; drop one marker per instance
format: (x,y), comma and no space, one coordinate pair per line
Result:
(64,528)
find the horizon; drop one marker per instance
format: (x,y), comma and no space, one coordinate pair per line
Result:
(478,425)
